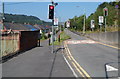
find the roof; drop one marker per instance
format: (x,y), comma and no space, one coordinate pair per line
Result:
(32,28)
(42,27)
(19,27)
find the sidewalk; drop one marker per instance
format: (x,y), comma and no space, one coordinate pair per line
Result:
(37,62)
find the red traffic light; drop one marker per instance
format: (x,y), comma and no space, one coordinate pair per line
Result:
(51,12)
(105,9)
(51,7)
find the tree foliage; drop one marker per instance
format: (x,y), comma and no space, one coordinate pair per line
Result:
(111,18)
(24,19)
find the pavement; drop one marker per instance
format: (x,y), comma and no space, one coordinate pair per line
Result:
(37,62)
(91,56)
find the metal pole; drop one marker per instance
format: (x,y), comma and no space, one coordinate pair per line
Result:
(52,36)
(84,25)
(105,24)
(3,15)
(60,24)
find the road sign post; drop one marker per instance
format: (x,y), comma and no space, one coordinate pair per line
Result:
(92,24)
(101,20)
(68,24)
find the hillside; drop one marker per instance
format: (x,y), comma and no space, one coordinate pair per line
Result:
(24,19)
(112,18)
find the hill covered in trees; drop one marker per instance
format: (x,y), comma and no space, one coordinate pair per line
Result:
(112,18)
(24,19)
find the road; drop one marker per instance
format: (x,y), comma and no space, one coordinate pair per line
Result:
(91,56)
(82,57)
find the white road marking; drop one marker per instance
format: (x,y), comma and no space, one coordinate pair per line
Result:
(81,42)
(70,67)
(110,68)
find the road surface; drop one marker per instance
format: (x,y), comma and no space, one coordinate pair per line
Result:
(90,56)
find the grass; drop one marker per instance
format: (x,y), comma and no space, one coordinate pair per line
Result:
(108,29)
(63,37)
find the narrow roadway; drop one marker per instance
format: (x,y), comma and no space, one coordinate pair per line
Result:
(92,56)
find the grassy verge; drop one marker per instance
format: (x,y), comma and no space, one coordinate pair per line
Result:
(108,29)
(63,37)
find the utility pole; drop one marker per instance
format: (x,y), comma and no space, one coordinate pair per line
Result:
(84,22)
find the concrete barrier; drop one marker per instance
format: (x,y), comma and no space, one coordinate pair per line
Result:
(108,37)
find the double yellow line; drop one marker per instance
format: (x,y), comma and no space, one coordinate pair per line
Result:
(81,71)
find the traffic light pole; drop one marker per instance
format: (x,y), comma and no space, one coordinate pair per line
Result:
(105,24)
(52,36)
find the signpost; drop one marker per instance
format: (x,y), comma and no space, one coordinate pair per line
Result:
(55,21)
(101,21)
(68,24)
(92,24)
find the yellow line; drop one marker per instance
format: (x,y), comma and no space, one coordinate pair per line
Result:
(108,45)
(87,75)
(78,70)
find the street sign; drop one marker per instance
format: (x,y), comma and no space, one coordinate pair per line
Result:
(92,23)
(68,24)
(55,21)
(101,20)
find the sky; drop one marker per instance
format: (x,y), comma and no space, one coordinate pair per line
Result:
(64,10)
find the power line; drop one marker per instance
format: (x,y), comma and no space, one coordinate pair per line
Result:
(15,3)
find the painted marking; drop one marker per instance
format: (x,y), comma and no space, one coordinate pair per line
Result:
(70,67)
(78,70)
(78,65)
(80,42)
(110,68)
(107,45)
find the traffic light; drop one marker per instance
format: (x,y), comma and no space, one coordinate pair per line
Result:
(105,11)
(51,12)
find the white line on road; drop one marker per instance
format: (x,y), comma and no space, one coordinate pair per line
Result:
(70,67)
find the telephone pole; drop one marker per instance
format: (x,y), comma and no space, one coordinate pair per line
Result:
(84,22)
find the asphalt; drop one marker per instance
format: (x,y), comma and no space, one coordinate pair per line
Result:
(37,62)
(93,57)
